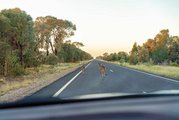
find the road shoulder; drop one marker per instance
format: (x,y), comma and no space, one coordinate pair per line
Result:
(20,93)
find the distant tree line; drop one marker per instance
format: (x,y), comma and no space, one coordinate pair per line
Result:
(163,49)
(120,56)
(27,43)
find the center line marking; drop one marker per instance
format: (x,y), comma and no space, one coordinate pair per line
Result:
(60,90)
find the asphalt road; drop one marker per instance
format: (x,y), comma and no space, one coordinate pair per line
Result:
(118,79)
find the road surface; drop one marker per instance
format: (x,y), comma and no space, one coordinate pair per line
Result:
(119,79)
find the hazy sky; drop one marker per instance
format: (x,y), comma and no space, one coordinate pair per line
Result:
(107,25)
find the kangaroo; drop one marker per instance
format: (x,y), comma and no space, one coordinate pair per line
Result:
(102,70)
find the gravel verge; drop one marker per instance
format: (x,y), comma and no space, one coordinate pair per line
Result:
(20,93)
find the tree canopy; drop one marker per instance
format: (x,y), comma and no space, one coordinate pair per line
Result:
(162,49)
(27,43)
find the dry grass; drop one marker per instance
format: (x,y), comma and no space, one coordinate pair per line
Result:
(11,85)
(32,76)
(2,81)
(164,70)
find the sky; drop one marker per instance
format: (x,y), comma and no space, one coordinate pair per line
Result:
(107,25)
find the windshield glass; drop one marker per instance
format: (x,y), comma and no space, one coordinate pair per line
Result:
(71,48)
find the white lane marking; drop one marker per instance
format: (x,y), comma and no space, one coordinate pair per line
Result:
(61,90)
(111,70)
(150,74)
(87,65)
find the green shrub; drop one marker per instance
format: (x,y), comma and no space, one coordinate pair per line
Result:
(151,62)
(31,59)
(18,70)
(174,63)
(122,60)
(51,59)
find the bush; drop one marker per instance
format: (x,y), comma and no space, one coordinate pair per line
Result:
(32,62)
(133,59)
(122,60)
(41,58)
(174,63)
(151,62)
(52,59)
(18,70)
(31,59)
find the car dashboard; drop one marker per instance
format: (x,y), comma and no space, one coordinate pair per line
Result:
(143,108)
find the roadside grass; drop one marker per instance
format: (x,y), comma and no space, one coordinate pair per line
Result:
(2,81)
(11,85)
(33,75)
(163,70)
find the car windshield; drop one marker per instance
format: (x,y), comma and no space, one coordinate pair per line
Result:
(78,49)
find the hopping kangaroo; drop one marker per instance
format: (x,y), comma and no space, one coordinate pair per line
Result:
(102,70)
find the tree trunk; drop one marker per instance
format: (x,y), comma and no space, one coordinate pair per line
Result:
(56,51)
(5,68)
(21,55)
(52,48)
(47,51)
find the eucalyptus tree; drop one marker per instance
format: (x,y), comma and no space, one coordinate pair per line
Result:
(16,37)
(51,32)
